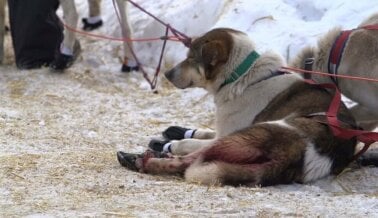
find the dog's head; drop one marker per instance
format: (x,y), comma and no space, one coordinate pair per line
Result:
(206,60)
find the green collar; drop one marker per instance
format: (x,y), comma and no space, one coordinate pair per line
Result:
(242,68)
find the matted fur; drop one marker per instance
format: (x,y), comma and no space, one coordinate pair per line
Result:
(358,59)
(262,133)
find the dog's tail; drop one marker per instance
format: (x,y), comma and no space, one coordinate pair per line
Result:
(299,60)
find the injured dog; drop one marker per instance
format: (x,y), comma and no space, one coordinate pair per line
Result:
(267,129)
(358,58)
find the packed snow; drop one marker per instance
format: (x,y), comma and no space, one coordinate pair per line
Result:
(60,132)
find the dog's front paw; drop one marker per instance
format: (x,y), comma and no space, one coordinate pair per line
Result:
(160,145)
(178,133)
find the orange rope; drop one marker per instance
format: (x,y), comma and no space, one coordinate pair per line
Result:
(172,38)
(288,69)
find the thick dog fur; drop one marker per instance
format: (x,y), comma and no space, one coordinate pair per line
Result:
(359,59)
(263,136)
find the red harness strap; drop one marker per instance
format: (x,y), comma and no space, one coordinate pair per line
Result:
(365,137)
(336,53)
(338,49)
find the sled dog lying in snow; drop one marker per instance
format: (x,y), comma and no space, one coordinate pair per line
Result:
(266,121)
(358,58)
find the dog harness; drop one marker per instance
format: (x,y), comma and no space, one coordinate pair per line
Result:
(336,53)
(338,49)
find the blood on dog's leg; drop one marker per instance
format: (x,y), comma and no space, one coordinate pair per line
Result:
(174,165)
(257,155)
(232,160)
(232,166)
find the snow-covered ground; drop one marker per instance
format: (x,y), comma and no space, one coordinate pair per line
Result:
(59,132)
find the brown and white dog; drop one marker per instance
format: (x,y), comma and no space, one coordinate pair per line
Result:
(264,134)
(359,58)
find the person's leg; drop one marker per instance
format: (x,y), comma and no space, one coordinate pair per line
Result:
(2,29)
(36,31)
(70,18)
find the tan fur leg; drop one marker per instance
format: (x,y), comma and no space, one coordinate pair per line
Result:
(187,146)
(2,29)
(204,134)
(126,31)
(94,8)
(70,17)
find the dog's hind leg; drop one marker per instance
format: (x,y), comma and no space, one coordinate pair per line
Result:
(94,8)
(70,17)
(259,155)
(70,47)
(2,29)
(94,20)
(129,62)
(173,165)
(228,162)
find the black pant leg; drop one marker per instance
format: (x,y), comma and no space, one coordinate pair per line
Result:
(36,31)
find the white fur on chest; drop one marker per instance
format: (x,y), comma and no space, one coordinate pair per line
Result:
(315,165)
(238,113)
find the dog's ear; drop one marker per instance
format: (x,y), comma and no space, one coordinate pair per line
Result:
(212,53)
